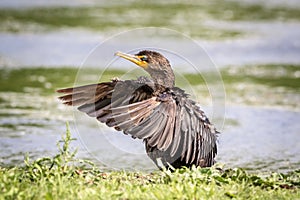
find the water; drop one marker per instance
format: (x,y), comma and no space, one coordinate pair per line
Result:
(263,140)
(70,48)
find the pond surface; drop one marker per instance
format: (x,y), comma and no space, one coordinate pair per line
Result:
(70,48)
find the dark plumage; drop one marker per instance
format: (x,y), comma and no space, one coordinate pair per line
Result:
(172,126)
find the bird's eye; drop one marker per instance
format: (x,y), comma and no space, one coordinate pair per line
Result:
(144,58)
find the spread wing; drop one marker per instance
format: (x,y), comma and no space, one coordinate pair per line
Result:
(168,122)
(100,100)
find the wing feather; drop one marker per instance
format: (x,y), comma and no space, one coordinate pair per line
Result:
(167,136)
(177,132)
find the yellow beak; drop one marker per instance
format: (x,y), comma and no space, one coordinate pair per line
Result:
(133,58)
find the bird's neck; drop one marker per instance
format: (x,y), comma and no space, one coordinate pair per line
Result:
(163,79)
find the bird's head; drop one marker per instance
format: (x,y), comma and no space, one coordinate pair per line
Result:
(155,64)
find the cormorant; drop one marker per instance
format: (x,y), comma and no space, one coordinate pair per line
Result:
(173,127)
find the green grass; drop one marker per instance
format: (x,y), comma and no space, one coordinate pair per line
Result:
(188,17)
(63,176)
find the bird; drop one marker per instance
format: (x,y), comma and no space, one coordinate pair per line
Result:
(175,131)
